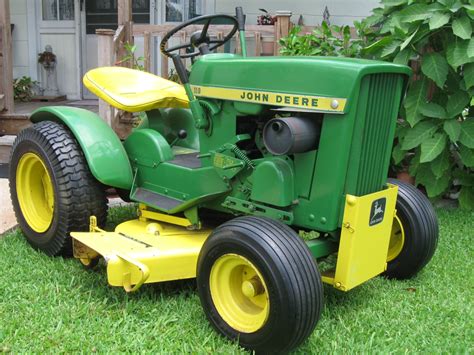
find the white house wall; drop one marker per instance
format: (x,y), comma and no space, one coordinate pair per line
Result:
(18,17)
(342,12)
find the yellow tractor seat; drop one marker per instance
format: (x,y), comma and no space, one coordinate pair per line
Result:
(134,90)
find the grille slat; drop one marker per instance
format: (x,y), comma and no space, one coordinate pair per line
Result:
(375,134)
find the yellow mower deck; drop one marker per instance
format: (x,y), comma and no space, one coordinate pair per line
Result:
(159,247)
(142,251)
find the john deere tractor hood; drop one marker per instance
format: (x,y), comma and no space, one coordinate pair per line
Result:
(228,76)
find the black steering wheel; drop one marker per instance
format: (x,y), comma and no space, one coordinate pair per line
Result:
(199,39)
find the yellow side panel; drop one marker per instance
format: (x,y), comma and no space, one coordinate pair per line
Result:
(365,237)
(169,252)
(134,90)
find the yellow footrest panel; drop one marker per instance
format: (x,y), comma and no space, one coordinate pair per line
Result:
(365,237)
(143,252)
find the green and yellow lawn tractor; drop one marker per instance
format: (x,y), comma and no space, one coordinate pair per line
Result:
(227,169)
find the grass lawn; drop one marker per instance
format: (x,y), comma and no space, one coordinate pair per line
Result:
(54,305)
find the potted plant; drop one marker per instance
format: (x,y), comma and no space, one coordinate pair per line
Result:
(266,19)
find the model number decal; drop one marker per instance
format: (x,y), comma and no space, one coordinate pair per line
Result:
(316,103)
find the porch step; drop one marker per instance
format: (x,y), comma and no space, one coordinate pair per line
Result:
(6,143)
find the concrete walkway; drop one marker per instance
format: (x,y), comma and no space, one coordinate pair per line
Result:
(7,217)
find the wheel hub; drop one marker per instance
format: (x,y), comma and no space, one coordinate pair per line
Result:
(35,192)
(397,239)
(252,287)
(239,293)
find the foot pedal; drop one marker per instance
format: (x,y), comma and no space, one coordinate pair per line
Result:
(161,202)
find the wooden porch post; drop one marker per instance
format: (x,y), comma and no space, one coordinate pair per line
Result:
(105,40)
(282,28)
(125,19)
(6,61)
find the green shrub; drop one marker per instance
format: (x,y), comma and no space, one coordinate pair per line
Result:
(437,130)
(327,41)
(23,88)
(435,135)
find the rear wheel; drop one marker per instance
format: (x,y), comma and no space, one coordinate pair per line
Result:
(414,233)
(258,283)
(52,190)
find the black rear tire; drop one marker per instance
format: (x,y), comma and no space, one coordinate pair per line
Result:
(420,226)
(77,194)
(291,279)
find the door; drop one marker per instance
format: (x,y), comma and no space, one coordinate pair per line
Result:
(57,23)
(102,14)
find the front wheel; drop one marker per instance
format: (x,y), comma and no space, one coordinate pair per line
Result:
(52,190)
(414,233)
(258,283)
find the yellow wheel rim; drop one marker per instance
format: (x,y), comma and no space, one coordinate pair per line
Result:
(397,239)
(239,293)
(35,192)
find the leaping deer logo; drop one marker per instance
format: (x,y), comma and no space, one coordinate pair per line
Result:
(377,210)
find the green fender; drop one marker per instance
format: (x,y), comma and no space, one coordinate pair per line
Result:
(103,150)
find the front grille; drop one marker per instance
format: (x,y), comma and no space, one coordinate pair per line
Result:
(381,109)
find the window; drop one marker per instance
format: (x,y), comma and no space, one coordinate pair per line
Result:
(58,10)
(182,10)
(103,14)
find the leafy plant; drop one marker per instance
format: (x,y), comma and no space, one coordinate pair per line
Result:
(437,128)
(435,134)
(23,88)
(325,41)
(137,63)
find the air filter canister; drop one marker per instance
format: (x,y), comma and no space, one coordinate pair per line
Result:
(289,135)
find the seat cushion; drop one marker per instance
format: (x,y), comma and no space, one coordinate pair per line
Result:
(134,90)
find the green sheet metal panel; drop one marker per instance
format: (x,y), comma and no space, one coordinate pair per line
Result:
(103,150)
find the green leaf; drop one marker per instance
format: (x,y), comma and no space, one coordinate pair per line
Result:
(390,48)
(438,186)
(432,147)
(430,109)
(467,156)
(463,177)
(466,198)
(415,98)
(393,2)
(418,134)
(374,47)
(404,56)
(397,22)
(398,154)
(457,103)
(456,52)
(413,12)
(434,186)
(440,164)
(414,163)
(408,40)
(435,67)
(462,27)
(467,133)
(468,71)
(439,19)
(453,129)
(424,174)
(470,48)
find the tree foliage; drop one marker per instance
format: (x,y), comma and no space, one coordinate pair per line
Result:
(435,135)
